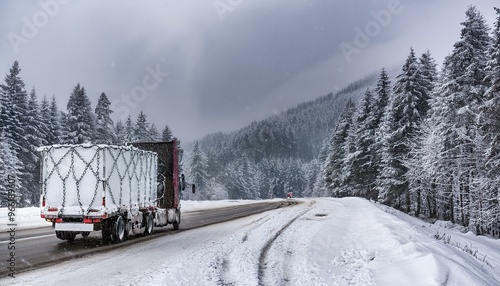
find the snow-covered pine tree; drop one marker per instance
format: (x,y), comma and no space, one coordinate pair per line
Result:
(141,128)
(44,111)
(120,133)
(198,168)
(338,151)
(319,186)
(242,180)
(57,123)
(382,98)
(423,154)
(428,70)
(36,129)
(490,131)
(80,120)
(166,134)
(129,130)
(63,118)
(295,180)
(9,166)
(153,133)
(14,125)
(36,132)
(104,133)
(363,171)
(408,108)
(462,89)
(14,101)
(365,161)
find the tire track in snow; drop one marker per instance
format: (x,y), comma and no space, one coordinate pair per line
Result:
(263,254)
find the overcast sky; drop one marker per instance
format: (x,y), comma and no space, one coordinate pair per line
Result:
(208,66)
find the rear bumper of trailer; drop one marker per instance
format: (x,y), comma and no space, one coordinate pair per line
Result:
(69,226)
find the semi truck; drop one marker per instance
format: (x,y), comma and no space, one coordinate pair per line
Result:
(120,191)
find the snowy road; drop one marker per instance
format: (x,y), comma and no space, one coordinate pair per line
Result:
(319,242)
(37,247)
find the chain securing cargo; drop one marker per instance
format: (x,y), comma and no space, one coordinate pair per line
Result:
(85,179)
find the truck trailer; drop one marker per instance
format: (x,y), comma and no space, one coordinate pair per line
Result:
(120,191)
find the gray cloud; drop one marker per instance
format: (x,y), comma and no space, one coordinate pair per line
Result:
(225,67)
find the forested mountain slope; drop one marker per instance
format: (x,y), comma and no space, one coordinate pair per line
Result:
(273,156)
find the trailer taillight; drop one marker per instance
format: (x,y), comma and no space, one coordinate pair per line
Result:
(57,220)
(89,220)
(43,202)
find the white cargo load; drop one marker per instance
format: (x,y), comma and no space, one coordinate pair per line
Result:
(96,180)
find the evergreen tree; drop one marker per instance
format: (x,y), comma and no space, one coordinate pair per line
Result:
(406,112)
(166,134)
(36,132)
(363,171)
(338,152)
(141,128)
(36,128)
(9,166)
(153,134)
(56,125)
(490,131)
(14,125)
(80,120)
(120,133)
(424,149)
(382,97)
(13,103)
(365,162)
(63,117)
(198,168)
(429,74)
(45,117)
(460,95)
(104,124)
(129,130)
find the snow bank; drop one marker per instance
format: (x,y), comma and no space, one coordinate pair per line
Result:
(25,218)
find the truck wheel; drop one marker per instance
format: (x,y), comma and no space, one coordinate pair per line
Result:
(177,220)
(69,236)
(118,230)
(149,224)
(106,231)
(59,234)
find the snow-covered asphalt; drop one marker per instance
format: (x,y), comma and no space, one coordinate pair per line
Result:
(346,241)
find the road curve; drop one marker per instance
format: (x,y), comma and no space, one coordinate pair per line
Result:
(39,247)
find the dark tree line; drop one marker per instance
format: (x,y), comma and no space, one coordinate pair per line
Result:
(27,122)
(428,142)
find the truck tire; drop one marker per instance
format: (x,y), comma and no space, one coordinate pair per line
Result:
(106,231)
(149,224)
(66,235)
(69,235)
(59,234)
(118,230)
(177,220)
